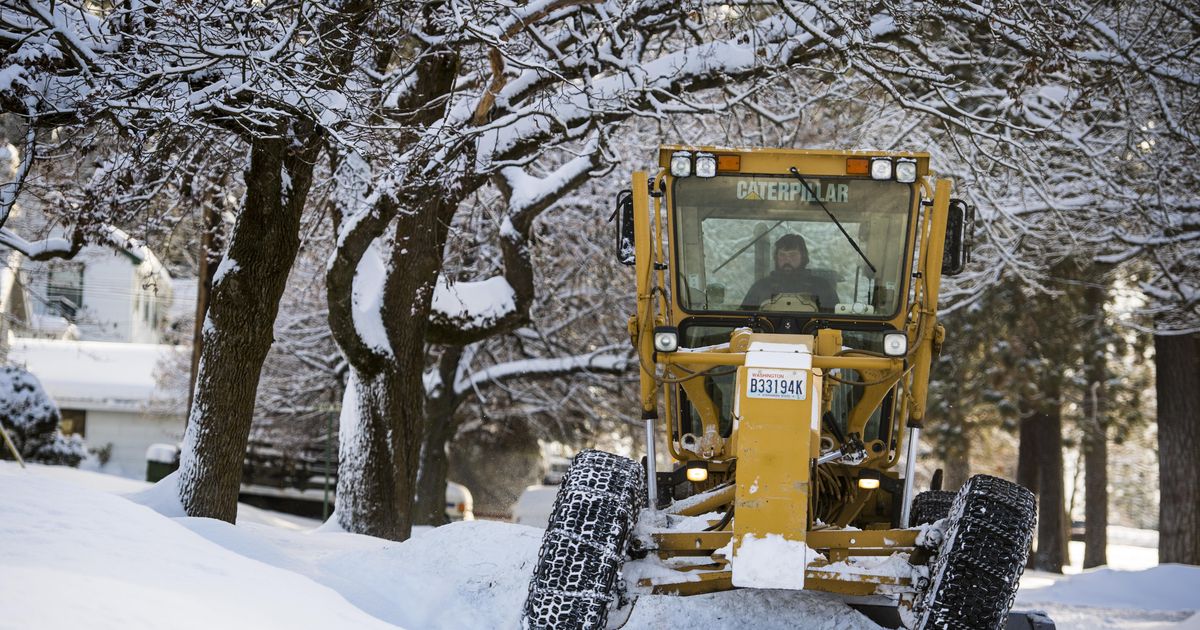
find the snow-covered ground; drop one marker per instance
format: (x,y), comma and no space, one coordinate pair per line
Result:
(83,550)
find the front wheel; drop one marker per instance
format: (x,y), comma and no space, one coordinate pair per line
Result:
(931,506)
(974,576)
(585,543)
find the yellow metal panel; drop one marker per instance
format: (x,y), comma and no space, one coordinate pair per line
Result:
(710,582)
(689,542)
(772,479)
(706,504)
(774,438)
(932,276)
(699,360)
(901,538)
(815,579)
(896,539)
(643,270)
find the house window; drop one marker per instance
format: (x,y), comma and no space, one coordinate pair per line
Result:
(64,289)
(74,421)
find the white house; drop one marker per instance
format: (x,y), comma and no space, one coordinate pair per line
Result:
(110,394)
(90,329)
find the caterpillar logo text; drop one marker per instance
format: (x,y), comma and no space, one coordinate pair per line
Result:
(792,191)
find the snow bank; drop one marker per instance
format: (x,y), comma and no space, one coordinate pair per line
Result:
(1164,587)
(130,562)
(126,567)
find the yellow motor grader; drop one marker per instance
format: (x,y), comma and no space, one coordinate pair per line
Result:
(786,322)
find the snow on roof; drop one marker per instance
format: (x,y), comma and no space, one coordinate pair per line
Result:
(98,375)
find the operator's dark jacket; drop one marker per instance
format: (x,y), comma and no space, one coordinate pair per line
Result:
(802,282)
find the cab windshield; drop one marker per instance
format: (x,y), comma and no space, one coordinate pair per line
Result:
(763,243)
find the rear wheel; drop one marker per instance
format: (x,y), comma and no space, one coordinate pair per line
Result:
(585,543)
(931,506)
(973,578)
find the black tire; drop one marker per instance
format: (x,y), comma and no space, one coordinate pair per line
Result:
(973,578)
(586,543)
(931,506)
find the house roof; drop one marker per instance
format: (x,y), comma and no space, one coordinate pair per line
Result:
(101,375)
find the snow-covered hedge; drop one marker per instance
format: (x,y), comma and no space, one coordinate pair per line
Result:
(31,419)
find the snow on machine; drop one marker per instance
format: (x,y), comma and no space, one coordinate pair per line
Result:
(786,321)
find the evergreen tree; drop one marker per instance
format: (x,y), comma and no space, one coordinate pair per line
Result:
(31,419)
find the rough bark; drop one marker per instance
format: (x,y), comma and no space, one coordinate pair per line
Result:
(1095,498)
(209,258)
(429,506)
(244,299)
(958,467)
(1041,467)
(367,434)
(1027,465)
(1095,436)
(1177,367)
(238,330)
(1051,552)
(383,481)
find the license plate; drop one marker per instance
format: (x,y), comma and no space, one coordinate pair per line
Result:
(776,383)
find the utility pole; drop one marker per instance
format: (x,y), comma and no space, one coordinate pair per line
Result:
(211,218)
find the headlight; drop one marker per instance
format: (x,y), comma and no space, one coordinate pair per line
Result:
(906,170)
(666,339)
(681,163)
(706,165)
(868,479)
(881,168)
(697,471)
(895,344)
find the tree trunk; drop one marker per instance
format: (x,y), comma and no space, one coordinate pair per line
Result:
(429,505)
(244,298)
(1027,464)
(957,445)
(1040,468)
(958,468)
(371,457)
(1177,368)
(383,482)
(1095,497)
(238,328)
(1095,433)
(1051,554)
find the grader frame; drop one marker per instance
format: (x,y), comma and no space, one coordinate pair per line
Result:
(776,440)
(792,367)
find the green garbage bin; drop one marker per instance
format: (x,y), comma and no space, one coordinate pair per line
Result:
(161,460)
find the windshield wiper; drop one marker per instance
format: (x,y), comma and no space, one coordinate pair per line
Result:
(747,246)
(812,193)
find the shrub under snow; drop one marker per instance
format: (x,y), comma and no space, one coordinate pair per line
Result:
(31,419)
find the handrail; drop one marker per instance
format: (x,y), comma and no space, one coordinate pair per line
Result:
(685,359)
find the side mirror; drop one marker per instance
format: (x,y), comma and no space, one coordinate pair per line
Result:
(957,252)
(625,231)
